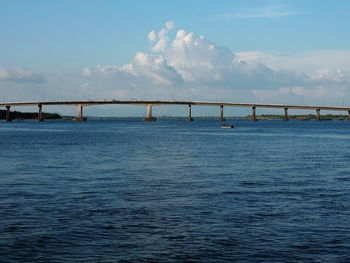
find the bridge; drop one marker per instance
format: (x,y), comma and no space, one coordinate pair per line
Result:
(149,104)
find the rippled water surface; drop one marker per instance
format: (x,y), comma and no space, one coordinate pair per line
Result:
(175,191)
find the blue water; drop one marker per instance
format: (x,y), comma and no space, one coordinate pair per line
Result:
(175,191)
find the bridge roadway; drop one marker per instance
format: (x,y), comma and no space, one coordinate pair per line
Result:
(149,103)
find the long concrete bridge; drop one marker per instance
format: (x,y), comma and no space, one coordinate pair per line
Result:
(149,104)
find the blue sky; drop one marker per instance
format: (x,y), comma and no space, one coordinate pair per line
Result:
(47,43)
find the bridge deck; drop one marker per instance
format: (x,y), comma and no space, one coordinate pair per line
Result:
(162,103)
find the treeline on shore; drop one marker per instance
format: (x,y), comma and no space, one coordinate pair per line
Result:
(301,117)
(29,115)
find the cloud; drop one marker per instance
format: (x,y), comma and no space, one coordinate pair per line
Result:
(161,38)
(322,66)
(266,12)
(306,61)
(145,68)
(152,36)
(201,62)
(20,74)
(187,66)
(86,72)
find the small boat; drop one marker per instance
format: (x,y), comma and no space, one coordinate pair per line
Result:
(227,126)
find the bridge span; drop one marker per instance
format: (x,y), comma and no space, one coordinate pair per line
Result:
(151,103)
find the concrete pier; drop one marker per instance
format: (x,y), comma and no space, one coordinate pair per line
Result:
(8,113)
(318,115)
(349,115)
(221,113)
(40,112)
(253,114)
(149,114)
(80,116)
(286,118)
(189,117)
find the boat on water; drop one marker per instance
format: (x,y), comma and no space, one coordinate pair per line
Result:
(227,126)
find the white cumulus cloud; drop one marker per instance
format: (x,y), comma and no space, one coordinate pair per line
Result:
(146,68)
(193,67)
(161,38)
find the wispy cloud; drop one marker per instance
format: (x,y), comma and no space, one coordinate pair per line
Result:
(20,74)
(266,12)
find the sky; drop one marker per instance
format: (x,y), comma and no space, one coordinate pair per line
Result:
(286,51)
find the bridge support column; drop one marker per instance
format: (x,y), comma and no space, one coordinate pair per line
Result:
(318,115)
(254,114)
(40,112)
(189,117)
(149,114)
(221,113)
(80,116)
(349,115)
(286,118)
(8,113)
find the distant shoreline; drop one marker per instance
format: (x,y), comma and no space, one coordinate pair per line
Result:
(302,117)
(17,115)
(248,117)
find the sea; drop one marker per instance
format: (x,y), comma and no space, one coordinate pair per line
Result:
(125,190)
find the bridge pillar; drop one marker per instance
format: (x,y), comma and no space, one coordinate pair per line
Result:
(40,112)
(189,117)
(286,118)
(349,115)
(149,114)
(80,116)
(254,114)
(8,114)
(221,113)
(318,115)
